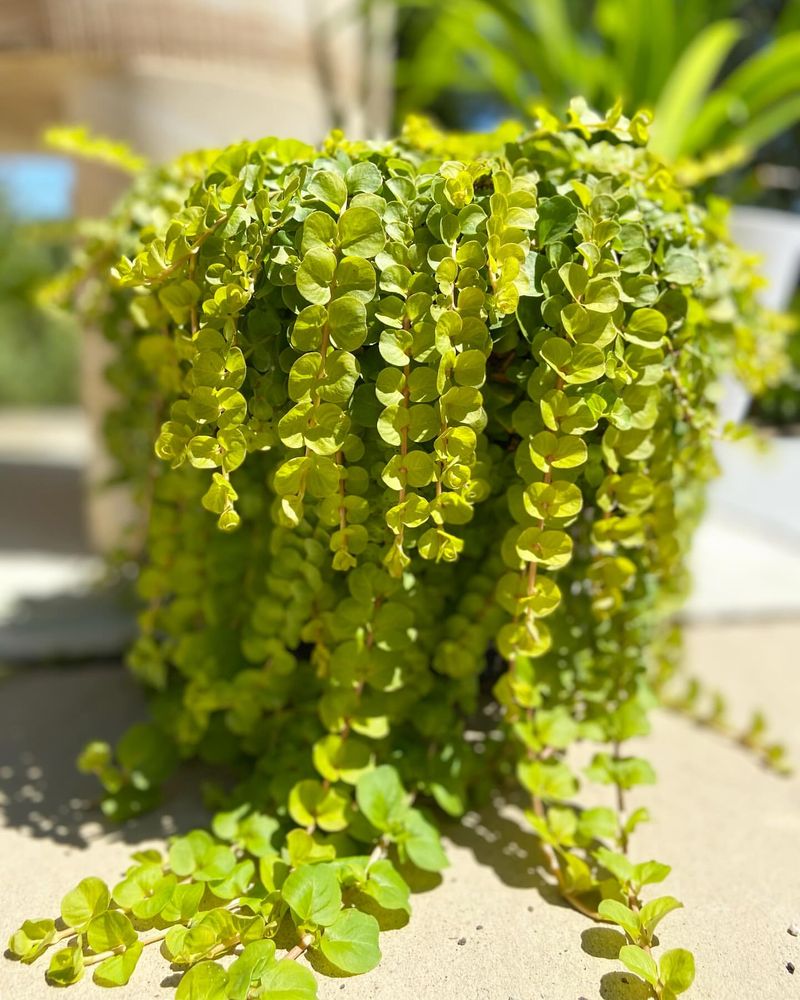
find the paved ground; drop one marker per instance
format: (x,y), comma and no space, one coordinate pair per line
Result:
(730,829)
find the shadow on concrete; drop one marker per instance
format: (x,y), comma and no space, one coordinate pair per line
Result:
(602,942)
(623,986)
(46,718)
(497,840)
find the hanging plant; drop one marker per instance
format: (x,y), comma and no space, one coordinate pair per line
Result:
(416,407)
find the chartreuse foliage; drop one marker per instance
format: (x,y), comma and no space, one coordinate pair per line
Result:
(411,402)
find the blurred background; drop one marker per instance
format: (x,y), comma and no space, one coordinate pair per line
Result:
(166,76)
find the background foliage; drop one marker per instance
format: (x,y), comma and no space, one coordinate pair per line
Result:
(38,346)
(720,75)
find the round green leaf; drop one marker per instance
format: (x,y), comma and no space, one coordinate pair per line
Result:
(676,969)
(381,797)
(315,275)
(421,842)
(341,375)
(329,187)
(308,327)
(319,230)
(363,177)
(118,969)
(639,962)
(204,981)
(351,942)
(558,499)
(313,893)
(31,939)
(66,966)
(183,903)
(387,886)
(557,216)
(185,852)
(86,901)
(287,980)
(601,295)
(552,549)
(311,803)
(216,863)
(235,883)
(361,232)
(646,327)
(347,319)
(355,276)
(110,930)
(470,368)
(681,266)
(248,969)
(559,452)
(340,759)
(145,892)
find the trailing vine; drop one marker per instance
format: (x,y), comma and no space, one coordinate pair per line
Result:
(707,707)
(417,401)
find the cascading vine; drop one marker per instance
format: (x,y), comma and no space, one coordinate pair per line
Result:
(444,396)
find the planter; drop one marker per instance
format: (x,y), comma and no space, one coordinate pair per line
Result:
(775,237)
(746,559)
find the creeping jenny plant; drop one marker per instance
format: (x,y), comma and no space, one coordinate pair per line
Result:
(412,403)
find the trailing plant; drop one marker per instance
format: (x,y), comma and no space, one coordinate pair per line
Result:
(708,707)
(412,402)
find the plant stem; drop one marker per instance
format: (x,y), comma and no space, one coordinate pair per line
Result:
(623,836)
(103,955)
(555,870)
(378,852)
(173,267)
(305,942)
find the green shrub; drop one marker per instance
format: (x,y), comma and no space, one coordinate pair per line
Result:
(417,402)
(38,346)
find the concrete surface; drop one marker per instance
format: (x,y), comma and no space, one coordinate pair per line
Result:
(492,930)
